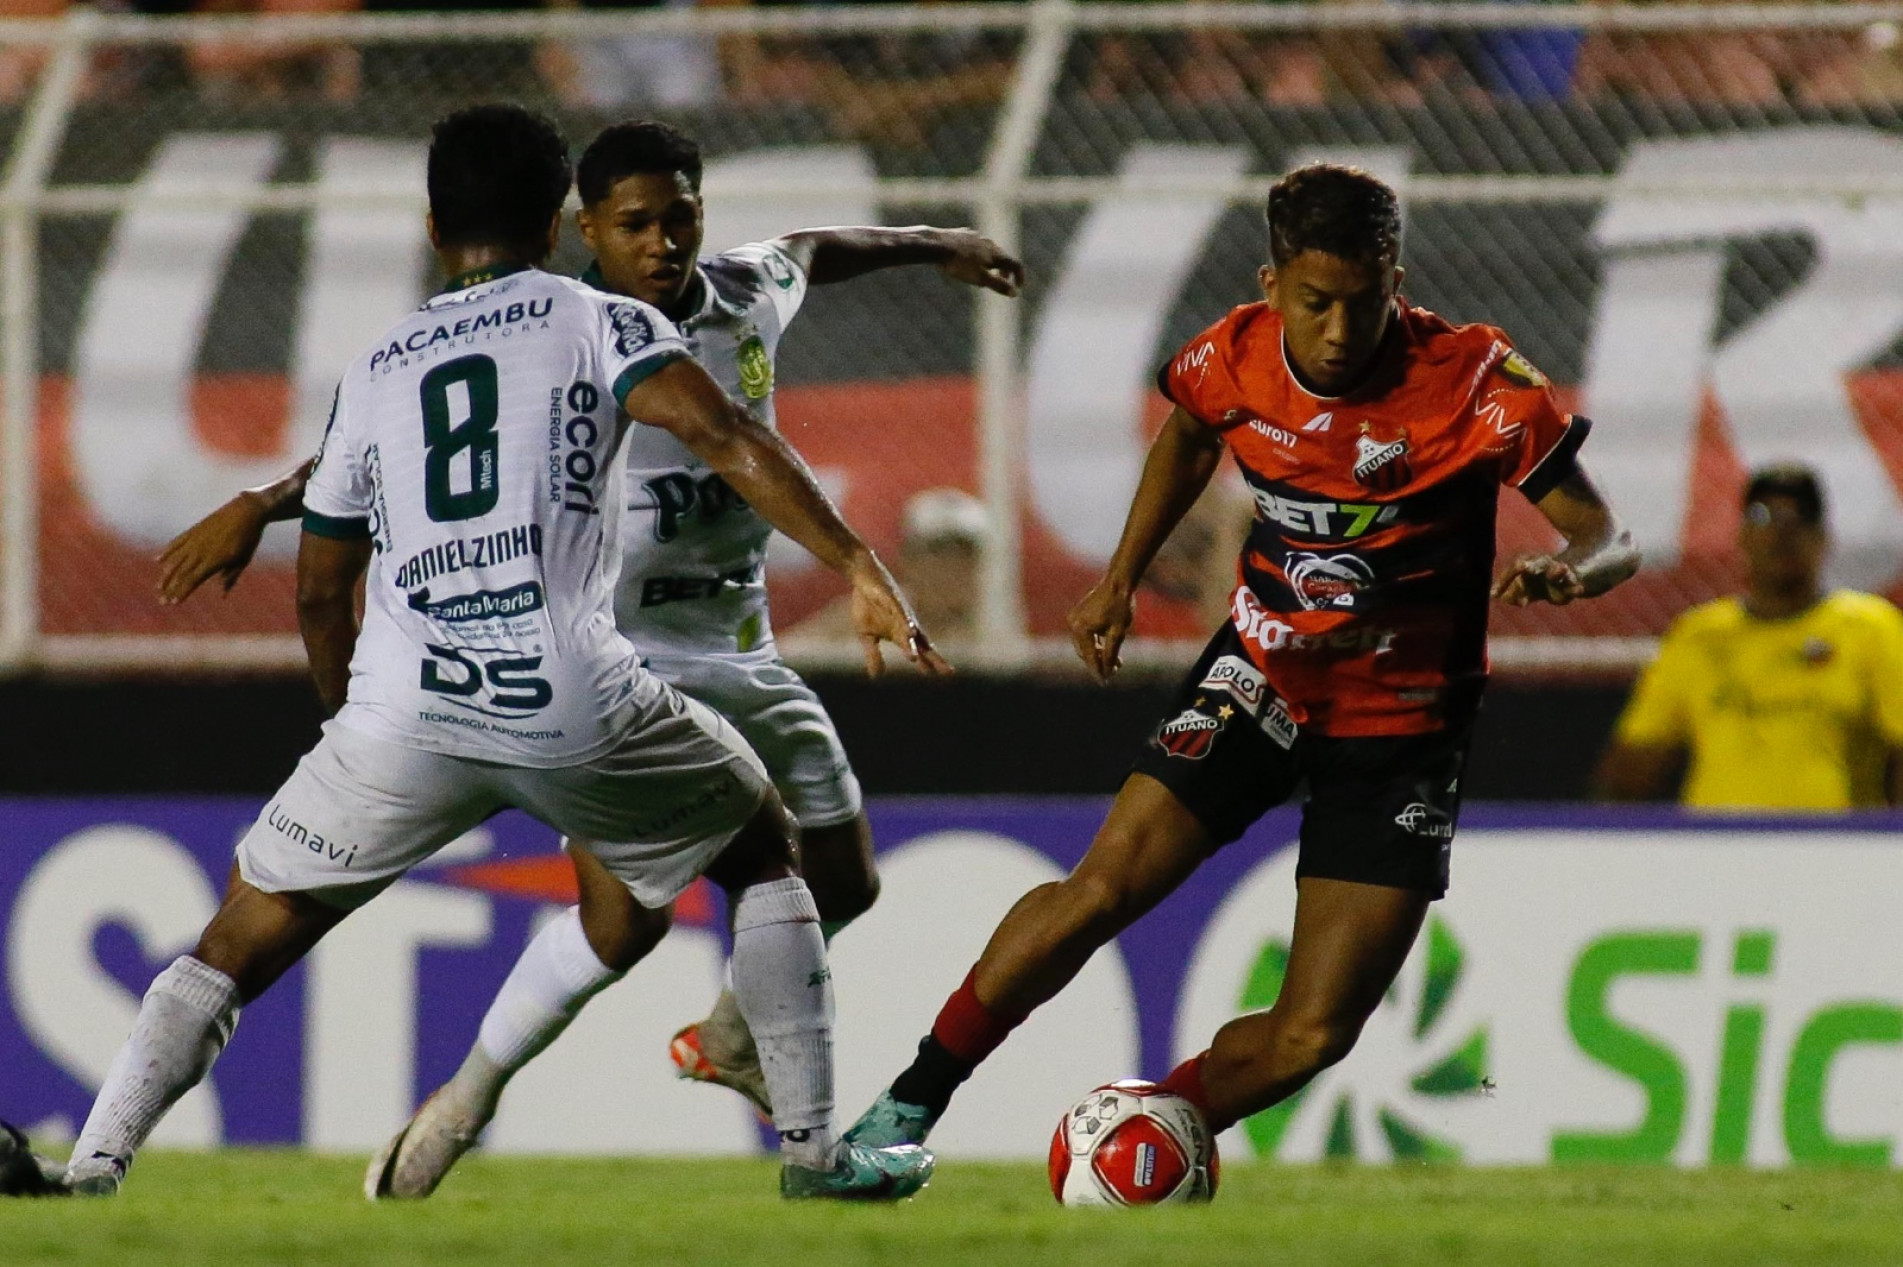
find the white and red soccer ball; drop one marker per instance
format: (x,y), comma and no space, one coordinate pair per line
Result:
(1133,1143)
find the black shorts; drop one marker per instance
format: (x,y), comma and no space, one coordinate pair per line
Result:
(1378,810)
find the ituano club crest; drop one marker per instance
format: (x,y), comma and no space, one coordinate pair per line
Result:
(1381,465)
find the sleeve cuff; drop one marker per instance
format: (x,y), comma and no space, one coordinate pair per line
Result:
(1558,462)
(347,528)
(641,370)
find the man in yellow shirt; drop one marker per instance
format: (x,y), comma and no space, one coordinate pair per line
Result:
(1788,698)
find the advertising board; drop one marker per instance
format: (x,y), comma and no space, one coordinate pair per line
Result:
(1598,986)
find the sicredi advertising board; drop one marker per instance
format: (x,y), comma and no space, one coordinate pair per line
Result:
(1598,986)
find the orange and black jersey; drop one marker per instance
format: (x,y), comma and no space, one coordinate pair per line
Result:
(1364,584)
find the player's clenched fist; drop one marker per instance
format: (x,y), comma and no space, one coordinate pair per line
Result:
(1098,625)
(976,260)
(1539,578)
(881,613)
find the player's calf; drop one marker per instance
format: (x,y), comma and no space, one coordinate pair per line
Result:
(784,989)
(185,1020)
(1146,847)
(1260,1060)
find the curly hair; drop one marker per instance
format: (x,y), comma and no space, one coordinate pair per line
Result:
(1337,210)
(498,175)
(628,149)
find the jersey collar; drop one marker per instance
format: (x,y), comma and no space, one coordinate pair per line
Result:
(482,276)
(711,300)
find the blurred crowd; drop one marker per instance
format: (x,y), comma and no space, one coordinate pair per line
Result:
(880,87)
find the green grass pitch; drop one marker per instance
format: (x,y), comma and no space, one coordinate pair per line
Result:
(236,1208)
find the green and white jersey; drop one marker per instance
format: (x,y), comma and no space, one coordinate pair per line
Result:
(693,572)
(475,446)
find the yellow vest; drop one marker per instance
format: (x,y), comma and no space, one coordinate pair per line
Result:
(1795,714)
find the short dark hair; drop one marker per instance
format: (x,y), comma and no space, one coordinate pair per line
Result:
(1793,480)
(629,149)
(1337,210)
(498,175)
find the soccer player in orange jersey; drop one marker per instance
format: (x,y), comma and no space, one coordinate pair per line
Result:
(1374,437)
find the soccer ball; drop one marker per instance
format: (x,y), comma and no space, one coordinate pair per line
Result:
(1133,1143)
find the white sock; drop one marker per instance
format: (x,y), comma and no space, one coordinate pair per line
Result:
(185,1021)
(557,973)
(724,1035)
(785,991)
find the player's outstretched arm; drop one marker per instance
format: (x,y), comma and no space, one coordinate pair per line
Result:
(837,255)
(1175,473)
(1599,553)
(764,469)
(222,543)
(327,574)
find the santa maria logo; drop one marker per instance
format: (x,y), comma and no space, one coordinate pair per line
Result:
(1381,465)
(756,368)
(1362,1121)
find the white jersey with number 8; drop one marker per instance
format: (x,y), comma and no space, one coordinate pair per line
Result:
(475,445)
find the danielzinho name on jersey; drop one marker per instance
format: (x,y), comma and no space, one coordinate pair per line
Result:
(472,552)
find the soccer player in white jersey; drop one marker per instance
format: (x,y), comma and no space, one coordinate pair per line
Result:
(488,672)
(693,594)
(691,597)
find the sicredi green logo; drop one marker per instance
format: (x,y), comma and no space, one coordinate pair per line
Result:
(1688,997)
(1661,1073)
(1446,1068)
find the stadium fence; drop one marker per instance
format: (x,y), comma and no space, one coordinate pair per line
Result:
(1689,216)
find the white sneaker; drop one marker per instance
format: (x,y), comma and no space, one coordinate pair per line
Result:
(94,1177)
(418,1156)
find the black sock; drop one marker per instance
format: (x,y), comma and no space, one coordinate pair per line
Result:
(932,1077)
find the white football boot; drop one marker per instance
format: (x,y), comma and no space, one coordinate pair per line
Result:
(417,1157)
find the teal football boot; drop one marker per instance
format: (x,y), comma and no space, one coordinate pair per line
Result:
(890,1123)
(863,1174)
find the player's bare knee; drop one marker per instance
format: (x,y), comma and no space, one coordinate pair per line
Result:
(1100,903)
(762,851)
(836,860)
(846,897)
(625,937)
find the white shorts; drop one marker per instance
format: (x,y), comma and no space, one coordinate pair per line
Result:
(358,812)
(783,720)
